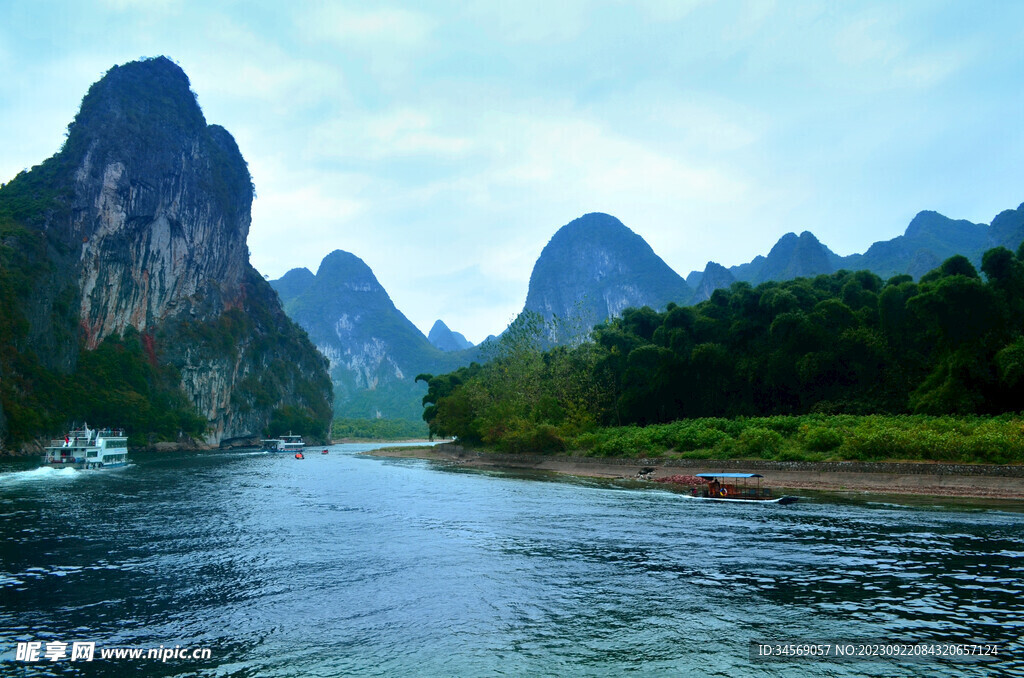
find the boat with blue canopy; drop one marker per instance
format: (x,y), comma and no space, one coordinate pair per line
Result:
(737,487)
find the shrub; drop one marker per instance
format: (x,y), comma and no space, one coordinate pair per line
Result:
(821,439)
(760,442)
(696,436)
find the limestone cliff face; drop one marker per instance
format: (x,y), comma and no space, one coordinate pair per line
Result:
(151,234)
(162,202)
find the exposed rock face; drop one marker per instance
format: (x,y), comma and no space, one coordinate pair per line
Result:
(594,268)
(375,352)
(447,340)
(154,238)
(715,277)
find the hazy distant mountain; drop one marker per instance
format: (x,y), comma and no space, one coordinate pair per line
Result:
(792,257)
(375,352)
(1007,229)
(592,269)
(930,239)
(446,340)
(714,277)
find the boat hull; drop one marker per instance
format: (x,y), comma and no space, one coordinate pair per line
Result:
(782,501)
(84,465)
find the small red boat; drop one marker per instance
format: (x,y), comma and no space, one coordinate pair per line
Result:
(324,452)
(299,455)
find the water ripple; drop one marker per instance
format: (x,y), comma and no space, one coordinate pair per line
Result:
(342,565)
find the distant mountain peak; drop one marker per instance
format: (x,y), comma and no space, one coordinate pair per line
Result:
(595,267)
(345,270)
(792,256)
(922,221)
(294,282)
(374,351)
(447,340)
(715,277)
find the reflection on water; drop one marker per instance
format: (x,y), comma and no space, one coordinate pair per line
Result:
(345,564)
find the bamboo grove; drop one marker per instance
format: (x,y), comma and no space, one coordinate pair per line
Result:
(848,343)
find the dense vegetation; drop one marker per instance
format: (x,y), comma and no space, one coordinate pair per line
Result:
(114,385)
(843,344)
(378,429)
(818,437)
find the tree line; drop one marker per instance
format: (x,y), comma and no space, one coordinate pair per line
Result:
(846,343)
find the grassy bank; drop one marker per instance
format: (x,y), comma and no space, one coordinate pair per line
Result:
(980,440)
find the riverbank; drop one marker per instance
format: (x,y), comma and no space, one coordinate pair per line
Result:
(932,479)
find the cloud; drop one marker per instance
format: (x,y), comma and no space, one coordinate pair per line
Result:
(376,29)
(148,6)
(388,134)
(428,138)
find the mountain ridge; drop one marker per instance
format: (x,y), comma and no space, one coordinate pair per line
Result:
(929,239)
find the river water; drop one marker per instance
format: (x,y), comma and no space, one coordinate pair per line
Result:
(345,564)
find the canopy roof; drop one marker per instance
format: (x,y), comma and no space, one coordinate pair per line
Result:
(729,475)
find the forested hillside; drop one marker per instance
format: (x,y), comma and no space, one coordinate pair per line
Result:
(845,343)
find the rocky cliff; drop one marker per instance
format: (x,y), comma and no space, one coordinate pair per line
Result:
(145,213)
(591,270)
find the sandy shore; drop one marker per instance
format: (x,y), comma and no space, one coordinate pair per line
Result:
(988,482)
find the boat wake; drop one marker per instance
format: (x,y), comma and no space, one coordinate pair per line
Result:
(41,474)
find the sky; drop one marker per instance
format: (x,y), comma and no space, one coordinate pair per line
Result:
(444,143)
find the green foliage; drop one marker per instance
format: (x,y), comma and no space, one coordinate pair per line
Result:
(114,385)
(378,429)
(759,442)
(996,440)
(821,439)
(294,420)
(842,344)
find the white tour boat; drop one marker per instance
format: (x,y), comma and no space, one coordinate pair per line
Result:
(288,443)
(87,448)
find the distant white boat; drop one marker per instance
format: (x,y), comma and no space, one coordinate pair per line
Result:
(288,443)
(87,448)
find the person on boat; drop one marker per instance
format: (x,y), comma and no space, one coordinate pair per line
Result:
(713,487)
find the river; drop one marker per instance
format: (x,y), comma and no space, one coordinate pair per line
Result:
(346,564)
